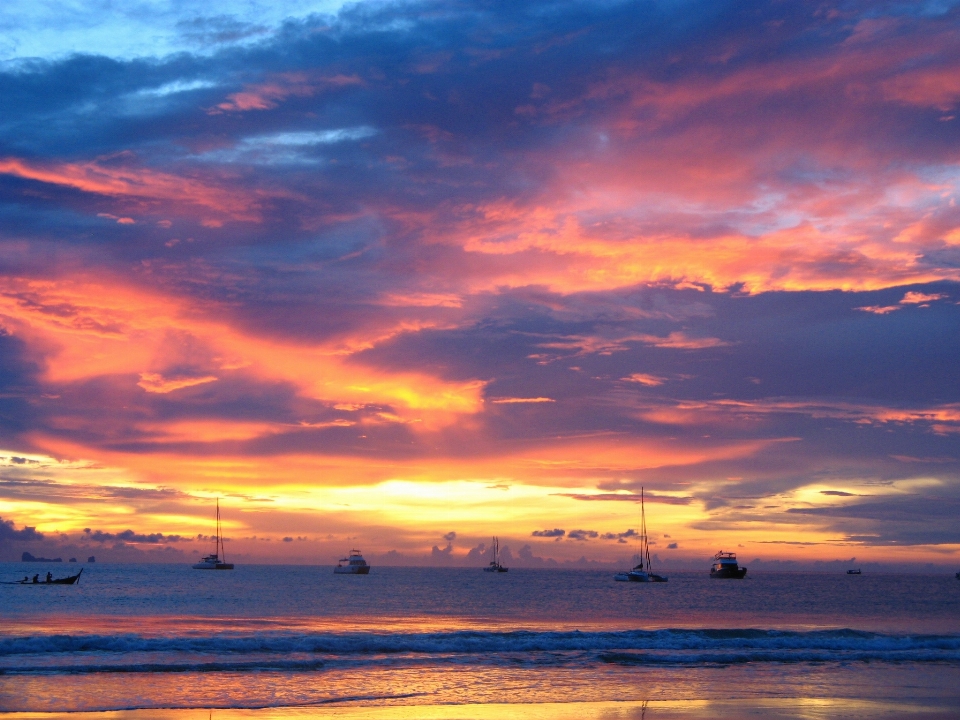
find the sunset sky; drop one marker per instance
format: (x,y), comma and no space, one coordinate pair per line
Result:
(403,276)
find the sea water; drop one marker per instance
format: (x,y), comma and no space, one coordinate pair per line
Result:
(167,636)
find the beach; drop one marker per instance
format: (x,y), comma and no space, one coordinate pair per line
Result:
(165,641)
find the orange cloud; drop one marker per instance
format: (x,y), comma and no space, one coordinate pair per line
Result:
(879,309)
(266,96)
(157,383)
(681,341)
(915,298)
(139,184)
(940,418)
(515,400)
(645,379)
(85,329)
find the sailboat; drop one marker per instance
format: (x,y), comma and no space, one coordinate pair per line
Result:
(495,565)
(639,573)
(213,562)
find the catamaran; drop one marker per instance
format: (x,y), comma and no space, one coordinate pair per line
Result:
(213,562)
(639,573)
(495,565)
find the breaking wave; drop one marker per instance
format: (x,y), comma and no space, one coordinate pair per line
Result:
(305,652)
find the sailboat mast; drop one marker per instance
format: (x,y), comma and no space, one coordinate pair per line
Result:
(643,531)
(219,548)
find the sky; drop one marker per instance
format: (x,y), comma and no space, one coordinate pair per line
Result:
(404,276)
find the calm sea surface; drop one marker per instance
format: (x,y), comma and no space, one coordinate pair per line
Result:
(167,636)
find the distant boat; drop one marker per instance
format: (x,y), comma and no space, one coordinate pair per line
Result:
(495,566)
(639,574)
(355,565)
(725,567)
(854,572)
(72,580)
(214,561)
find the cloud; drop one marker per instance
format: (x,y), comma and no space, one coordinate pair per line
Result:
(157,383)
(512,401)
(582,534)
(555,533)
(623,497)
(129,536)
(645,379)
(636,246)
(619,537)
(916,298)
(879,309)
(7,532)
(681,341)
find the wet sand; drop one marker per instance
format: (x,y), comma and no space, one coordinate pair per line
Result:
(776,709)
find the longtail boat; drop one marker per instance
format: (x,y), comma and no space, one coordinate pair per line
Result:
(72,580)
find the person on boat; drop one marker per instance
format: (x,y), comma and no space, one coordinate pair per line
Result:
(25,580)
(36,578)
(49,576)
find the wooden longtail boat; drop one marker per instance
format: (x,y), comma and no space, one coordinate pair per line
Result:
(72,580)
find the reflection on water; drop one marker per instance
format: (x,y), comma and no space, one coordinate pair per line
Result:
(433,684)
(770,709)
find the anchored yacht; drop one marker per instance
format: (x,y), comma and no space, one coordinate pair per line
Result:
(639,574)
(725,566)
(495,565)
(352,565)
(214,561)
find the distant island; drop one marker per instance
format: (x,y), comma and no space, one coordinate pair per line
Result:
(27,557)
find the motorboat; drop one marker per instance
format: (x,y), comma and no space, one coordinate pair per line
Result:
(495,566)
(638,573)
(725,566)
(214,561)
(854,572)
(353,564)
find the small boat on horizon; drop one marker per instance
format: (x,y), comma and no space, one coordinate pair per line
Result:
(214,561)
(353,564)
(725,567)
(854,572)
(638,573)
(495,565)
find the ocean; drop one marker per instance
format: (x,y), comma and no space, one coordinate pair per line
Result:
(414,642)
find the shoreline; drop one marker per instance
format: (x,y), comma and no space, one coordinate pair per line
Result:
(739,709)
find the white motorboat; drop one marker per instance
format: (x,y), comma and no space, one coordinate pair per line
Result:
(354,564)
(639,573)
(214,561)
